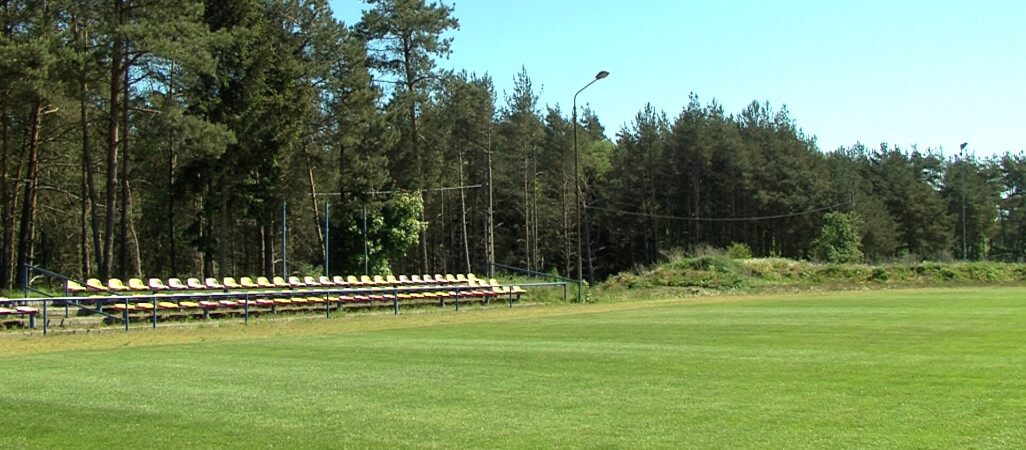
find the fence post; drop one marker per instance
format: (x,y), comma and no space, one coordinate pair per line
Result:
(45,318)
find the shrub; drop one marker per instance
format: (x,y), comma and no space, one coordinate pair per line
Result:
(739,250)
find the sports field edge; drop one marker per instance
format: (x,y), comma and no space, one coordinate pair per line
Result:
(225,331)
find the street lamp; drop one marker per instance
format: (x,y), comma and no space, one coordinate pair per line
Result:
(961,149)
(577,183)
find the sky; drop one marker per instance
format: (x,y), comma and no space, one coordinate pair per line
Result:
(933,74)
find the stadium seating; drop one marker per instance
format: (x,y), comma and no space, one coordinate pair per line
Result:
(137,285)
(176,284)
(156,284)
(212,283)
(195,284)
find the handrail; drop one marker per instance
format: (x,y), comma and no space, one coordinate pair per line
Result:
(540,274)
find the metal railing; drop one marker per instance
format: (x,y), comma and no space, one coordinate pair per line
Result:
(493,265)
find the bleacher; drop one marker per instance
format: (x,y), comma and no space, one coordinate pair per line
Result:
(229,295)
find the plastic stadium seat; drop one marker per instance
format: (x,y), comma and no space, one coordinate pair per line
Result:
(230,283)
(311,282)
(175,283)
(167,305)
(404,280)
(392,280)
(144,306)
(315,300)
(247,283)
(472,277)
(95,284)
(366,280)
(26,310)
(339,280)
(416,279)
(299,300)
(229,303)
(282,301)
(74,287)
(380,281)
(296,282)
(116,284)
(6,311)
(451,279)
(325,281)
(123,306)
(280,282)
(156,284)
(264,302)
(188,305)
(212,283)
(208,304)
(264,282)
(440,279)
(195,283)
(462,278)
(351,280)
(136,284)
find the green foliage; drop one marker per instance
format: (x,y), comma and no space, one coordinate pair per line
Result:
(739,250)
(839,240)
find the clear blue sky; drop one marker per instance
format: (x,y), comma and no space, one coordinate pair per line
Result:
(933,73)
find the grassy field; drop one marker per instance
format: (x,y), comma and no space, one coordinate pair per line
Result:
(926,368)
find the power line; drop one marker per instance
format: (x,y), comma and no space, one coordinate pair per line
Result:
(441,189)
(718,219)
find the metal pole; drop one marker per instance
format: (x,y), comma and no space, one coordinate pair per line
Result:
(327,235)
(366,256)
(965,254)
(284,239)
(577,186)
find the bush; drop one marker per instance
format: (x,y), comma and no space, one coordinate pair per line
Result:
(739,250)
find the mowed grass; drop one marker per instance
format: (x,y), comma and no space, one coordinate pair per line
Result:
(926,368)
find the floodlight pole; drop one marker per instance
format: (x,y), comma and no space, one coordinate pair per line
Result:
(965,254)
(577,183)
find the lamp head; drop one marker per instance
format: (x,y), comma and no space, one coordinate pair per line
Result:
(602,74)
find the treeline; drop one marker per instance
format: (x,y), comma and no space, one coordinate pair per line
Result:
(172,138)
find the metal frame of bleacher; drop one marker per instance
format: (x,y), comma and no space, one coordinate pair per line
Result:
(377,290)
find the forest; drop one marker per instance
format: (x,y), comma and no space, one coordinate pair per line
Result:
(256,137)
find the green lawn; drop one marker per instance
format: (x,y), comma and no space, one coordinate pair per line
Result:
(926,368)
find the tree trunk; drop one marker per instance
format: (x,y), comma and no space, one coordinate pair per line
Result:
(28,213)
(116,72)
(527,208)
(6,256)
(313,201)
(463,209)
(129,264)
(490,245)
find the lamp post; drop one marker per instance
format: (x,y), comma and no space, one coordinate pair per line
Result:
(577,183)
(965,254)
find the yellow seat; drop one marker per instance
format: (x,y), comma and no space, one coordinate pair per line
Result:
(175,283)
(282,301)
(188,305)
(123,307)
(195,283)
(144,306)
(280,282)
(353,281)
(95,284)
(451,279)
(462,278)
(415,279)
(440,279)
(392,280)
(264,282)
(380,281)
(339,281)
(311,281)
(156,284)
(74,287)
(167,305)
(366,280)
(230,283)
(299,300)
(403,279)
(136,284)
(472,277)
(247,283)
(212,283)
(116,284)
